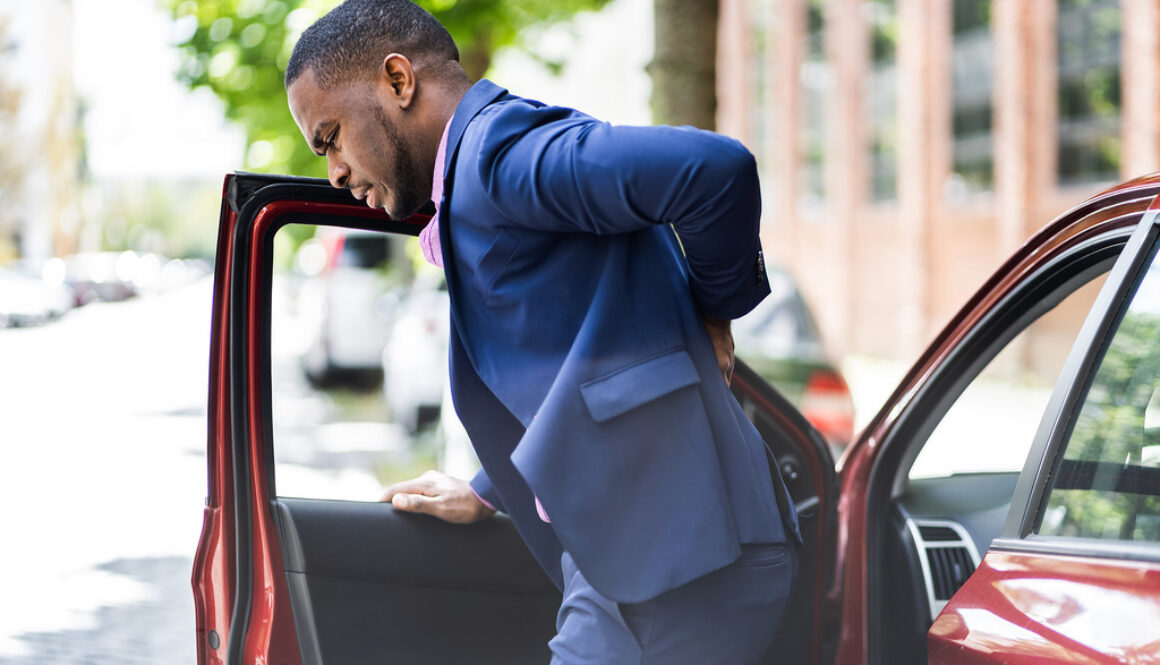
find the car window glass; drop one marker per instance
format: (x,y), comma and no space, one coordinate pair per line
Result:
(358,355)
(991,425)
(1108,482)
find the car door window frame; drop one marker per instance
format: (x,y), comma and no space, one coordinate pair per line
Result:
(263,205)
(1082,260)
(1004,322)
(1032,491)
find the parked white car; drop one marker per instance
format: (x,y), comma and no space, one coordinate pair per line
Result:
(27,300)
(346,301)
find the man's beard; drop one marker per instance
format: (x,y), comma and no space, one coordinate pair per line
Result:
(404,184)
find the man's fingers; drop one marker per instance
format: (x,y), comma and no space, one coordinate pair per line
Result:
(415,486)
(434,493)
(721,334)
(415,503)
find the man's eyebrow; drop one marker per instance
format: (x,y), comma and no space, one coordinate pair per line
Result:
(317,142)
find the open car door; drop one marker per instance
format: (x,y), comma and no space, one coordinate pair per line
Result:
(279,579)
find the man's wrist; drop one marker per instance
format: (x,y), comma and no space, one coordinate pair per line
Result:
(717,321)
(484,503)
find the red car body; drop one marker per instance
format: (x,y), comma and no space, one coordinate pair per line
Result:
(260,597)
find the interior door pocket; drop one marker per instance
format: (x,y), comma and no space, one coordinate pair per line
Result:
(372,584)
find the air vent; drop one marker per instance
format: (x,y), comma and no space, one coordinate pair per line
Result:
(948,557)
(949,568)
(938,534)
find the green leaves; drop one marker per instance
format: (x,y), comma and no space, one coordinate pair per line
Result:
(239,50)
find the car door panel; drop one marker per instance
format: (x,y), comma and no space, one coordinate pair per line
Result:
(369,583)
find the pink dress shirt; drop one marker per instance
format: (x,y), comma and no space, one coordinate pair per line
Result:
(429,236)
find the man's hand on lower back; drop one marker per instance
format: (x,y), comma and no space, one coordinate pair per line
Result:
(434,493)
(721,333)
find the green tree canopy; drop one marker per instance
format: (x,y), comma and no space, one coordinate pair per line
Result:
(239,49)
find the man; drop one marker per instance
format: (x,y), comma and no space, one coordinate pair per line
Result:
(593,271)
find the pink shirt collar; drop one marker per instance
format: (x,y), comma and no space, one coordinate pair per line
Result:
(429,236)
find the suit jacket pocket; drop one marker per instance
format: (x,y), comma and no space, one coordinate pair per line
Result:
(626,389)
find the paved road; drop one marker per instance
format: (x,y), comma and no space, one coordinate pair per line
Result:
(103,481)
(103,478)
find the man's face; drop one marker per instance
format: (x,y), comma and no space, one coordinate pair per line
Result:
(356,127)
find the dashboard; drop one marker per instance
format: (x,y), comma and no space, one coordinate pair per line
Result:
(948,523)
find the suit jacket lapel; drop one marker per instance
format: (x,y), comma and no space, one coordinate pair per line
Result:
(477,98)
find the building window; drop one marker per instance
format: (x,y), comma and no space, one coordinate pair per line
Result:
(882,99)
(972,108)
(1088,57)
(817,81)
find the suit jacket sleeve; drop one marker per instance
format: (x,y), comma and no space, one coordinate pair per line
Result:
(483,489)
(550,169)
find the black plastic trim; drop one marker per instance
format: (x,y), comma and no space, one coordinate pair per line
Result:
(303,607)
(243,185)
(248,190)
(247,195)
(239,448)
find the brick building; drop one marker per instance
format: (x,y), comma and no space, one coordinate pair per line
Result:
(908,146)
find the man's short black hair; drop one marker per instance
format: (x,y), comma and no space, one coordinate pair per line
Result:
(354,37)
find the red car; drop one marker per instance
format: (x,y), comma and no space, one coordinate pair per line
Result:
(1069,532)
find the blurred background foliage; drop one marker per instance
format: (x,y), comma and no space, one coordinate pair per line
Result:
(239,50)
(145,216)
(13,165)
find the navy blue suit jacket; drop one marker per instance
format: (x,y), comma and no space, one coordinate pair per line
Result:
(580,365)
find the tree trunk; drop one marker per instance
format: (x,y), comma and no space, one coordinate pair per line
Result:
(684,66)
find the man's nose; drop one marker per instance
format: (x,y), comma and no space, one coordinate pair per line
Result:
(337,172)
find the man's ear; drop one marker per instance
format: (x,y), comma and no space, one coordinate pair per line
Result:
(398,80)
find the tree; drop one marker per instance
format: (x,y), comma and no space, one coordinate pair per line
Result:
(684,67)
(239,49)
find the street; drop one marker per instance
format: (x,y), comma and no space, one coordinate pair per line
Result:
(104,475)
(103,481)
